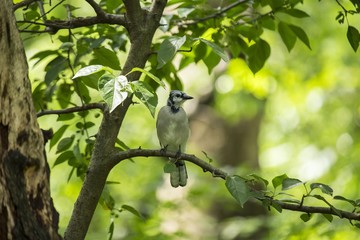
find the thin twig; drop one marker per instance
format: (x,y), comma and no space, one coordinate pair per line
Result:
(83,22)
(322,210)
(69,40)
(22,4)
(72,110)
(42,10)
(37,31)
(98,10)
(345,11)
(214,15)
(43,15)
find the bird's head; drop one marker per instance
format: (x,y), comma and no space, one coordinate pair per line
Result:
(177,98)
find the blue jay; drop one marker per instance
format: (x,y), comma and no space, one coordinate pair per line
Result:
(173,131)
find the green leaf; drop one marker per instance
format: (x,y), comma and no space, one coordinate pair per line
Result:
(111,227)
(57,135)
(67,45)
(31,15)
(43,55)
(357,225)
(340,17)
(211,61)
(71,7)
(113,90)
(335,210)
(266,203)
(105,57)
(65,156)
(112,5)
(65,117)
(92,80)
(54,68)
(328,217)
(122,144)
(184,12)
(294,201)
(168,49)
(277,206)
(323,187)
(287,35)
(149,74)
(132,210)
(305,217)
(289,183)
(112,182)
(258,53)
(267,22)
(218,50)
(106,200)
(200,52)
(301,34)
(63,94)
(238,189)
(70,174)
(83,92)
(296,13)
(277,181)
(252,33)
(87,125)
(146,94)
(352,202)
(76,151)
(169,167)
(266,182)
(65,144)
(86,71)
(353,37)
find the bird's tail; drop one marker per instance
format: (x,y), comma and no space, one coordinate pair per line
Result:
(179,176)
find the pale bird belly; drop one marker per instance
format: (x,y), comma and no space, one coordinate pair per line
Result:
(174,136)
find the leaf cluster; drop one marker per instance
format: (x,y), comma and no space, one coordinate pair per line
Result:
(242,189)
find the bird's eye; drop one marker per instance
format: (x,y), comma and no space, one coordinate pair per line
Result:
(178,95)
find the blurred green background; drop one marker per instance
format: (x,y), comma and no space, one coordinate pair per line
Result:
(299,115)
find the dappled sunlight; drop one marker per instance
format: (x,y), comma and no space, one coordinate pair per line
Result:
(299,114)
(314,163)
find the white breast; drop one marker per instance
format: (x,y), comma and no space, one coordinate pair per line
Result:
(172,128)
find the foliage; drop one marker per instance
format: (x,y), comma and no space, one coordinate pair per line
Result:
(86,64)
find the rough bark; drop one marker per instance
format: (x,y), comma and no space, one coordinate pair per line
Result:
(141,25)
(26,208)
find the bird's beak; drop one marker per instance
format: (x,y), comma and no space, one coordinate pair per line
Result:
(187,97)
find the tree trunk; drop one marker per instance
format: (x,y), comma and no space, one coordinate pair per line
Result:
(26,208)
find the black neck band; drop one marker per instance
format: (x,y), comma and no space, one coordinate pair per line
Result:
(174,109)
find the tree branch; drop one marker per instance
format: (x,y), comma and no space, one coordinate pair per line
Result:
(322,210)
(22,4)
(157,6)
(56,25)
(72,110)
(216,172)
(88,21)
(99,12)
(133,10)
(214,15)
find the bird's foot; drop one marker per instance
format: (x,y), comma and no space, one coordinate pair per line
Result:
(164,149)
(178,155)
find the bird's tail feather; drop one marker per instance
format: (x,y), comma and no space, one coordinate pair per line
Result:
(179,176)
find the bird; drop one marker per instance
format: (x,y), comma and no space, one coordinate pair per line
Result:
(173,131)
